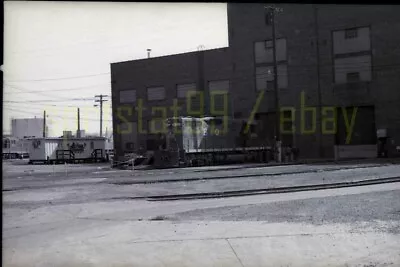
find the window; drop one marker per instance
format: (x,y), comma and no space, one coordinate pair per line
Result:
(353,77)
(263,51)
(127,96)
(155,93)
(265,77)
(182,90)
(350,33)
(348,41)
(352,69)
(6,143)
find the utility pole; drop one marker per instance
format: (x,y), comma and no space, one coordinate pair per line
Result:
(270,20)
(100,99)
(44,124)
(78,132)
(316,28)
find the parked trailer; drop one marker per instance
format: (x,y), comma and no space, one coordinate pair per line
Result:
(206,141)
(67,150)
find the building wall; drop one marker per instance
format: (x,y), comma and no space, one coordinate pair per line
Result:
(246,64)
(27,127)
(169,72)
(297,25)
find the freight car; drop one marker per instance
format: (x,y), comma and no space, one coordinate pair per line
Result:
(192,141)
(67,150)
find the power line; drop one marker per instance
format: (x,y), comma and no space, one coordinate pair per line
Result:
(56,116)
(50,100)
(25,91)
(62,78)
(45,104)
(31,92)
(59,106)
(66,109)
(56,90)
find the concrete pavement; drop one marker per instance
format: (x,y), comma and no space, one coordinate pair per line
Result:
(87,220)
(204,244)
(120,234)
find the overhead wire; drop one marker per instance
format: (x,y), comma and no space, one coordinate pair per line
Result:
(61,78)
(31,92)
(57,116)
(56,90)
(59,106)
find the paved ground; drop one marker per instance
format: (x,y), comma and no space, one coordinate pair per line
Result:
(86,218)
(326,210)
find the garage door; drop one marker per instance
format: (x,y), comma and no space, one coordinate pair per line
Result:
(364,129)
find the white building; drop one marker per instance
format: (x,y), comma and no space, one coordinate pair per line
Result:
(32,127)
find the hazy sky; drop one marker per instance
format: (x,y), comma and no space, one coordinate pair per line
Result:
(58,51)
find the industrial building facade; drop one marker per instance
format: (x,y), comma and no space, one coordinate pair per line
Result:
(24,128)
(337,77)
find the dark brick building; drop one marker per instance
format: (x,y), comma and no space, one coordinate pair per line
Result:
(342,60)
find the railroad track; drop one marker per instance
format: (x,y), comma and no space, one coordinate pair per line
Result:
(276,190)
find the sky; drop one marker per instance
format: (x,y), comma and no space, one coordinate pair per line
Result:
(57,55)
